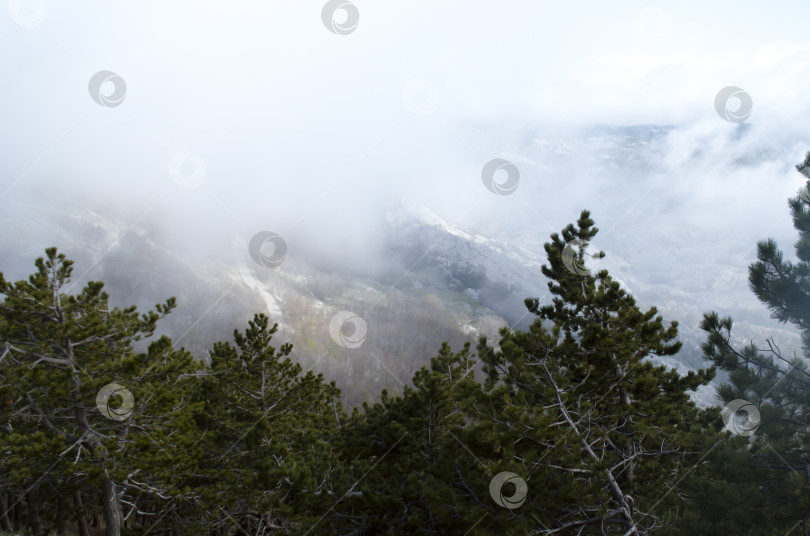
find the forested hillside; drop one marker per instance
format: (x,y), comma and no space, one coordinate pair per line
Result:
(565,428)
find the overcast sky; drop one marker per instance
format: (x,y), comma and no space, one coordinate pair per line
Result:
(287,125)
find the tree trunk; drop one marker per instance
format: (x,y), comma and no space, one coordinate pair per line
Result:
(81,519)
(112,509)
(5,522)
(61,528)
(15,500)
(34,514)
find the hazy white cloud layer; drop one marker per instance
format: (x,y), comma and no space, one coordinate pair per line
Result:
(245,116)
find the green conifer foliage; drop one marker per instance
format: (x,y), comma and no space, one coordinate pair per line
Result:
(762,479)
(268,438)
(601,431)
(59,449)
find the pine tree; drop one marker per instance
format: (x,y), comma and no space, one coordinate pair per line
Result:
(62,440)
(766,470)
(268,431)
(590,431)
(410,470)
(600,430)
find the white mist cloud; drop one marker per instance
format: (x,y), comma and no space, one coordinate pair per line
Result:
(305,132)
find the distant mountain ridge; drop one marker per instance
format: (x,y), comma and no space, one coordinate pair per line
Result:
(443,280)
